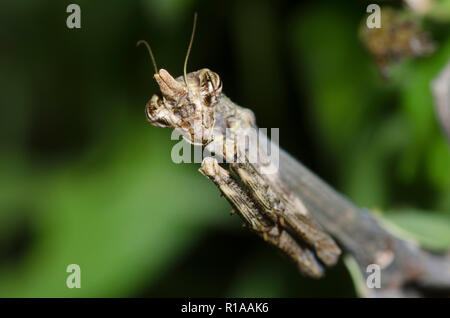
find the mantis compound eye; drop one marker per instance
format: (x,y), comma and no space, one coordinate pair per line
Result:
(210,87)
(157,114)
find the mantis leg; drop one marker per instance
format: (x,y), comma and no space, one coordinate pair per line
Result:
(258,221)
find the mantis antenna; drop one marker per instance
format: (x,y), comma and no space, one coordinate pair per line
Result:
(151,53)
(189,48)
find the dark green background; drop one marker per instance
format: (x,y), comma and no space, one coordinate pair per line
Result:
(85,179)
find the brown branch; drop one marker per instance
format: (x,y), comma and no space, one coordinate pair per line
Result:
(407,269)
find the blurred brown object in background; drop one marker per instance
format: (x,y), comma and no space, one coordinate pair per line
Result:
(400,36)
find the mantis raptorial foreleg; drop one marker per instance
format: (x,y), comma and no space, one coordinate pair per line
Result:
(289,212)
(261,223)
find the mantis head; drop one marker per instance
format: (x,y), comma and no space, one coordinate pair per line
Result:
(185,103)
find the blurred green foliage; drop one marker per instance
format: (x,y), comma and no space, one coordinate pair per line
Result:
(86,180)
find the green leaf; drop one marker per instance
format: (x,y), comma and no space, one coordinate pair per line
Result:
(430,229)
(123,214)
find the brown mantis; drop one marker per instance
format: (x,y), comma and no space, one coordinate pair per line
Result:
(194,105)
